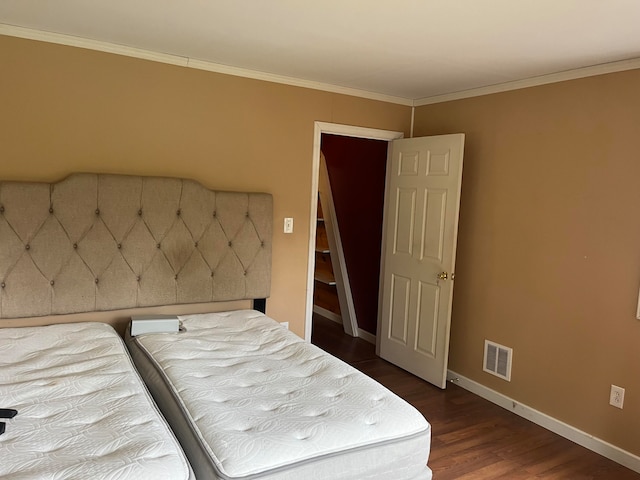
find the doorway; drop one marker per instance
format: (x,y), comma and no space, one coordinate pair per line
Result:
(332,129)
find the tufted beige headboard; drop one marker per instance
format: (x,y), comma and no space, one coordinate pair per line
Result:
(105,242)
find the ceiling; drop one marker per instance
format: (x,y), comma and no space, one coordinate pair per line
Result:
(409,49)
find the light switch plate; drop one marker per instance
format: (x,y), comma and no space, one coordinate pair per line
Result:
(288,225)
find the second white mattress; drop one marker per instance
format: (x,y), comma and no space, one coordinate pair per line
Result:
(261,400)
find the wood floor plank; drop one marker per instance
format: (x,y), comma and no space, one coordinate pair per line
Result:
(473,439)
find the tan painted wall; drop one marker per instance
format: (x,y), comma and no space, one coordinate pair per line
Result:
(549,246)
(549,242)
(67,109)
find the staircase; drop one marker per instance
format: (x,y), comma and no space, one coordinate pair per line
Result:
(332,293)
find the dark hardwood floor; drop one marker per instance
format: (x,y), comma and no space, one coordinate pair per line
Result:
(471,437)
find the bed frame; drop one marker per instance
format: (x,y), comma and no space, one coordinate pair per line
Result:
(98,243)
(121,245)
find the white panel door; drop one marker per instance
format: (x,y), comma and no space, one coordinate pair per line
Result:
(424,177)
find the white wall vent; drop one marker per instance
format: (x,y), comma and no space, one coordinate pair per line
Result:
(497,360)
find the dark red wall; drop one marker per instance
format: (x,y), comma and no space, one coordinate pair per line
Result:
(357,170)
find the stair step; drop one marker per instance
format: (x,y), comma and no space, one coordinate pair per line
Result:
(324,277)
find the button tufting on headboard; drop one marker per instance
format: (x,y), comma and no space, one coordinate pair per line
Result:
(89,227)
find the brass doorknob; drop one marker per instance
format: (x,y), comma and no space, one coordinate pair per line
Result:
(443,276)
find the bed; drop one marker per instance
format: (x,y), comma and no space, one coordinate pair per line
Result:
(82,410)
(106,247)
(250,400)
(77,258)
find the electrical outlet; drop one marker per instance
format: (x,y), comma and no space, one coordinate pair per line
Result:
(616,398)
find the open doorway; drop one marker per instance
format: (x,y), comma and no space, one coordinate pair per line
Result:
(345,131)
(356,171)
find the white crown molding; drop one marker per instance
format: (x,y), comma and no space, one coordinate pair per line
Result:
(565,430)
(80,42)
(296,82)
(533,81)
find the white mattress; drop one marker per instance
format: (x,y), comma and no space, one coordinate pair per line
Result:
(83,411)
(249,399)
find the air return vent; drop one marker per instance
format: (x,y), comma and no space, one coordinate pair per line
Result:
(497,360)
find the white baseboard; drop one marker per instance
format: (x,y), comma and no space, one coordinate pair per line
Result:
(363,334)
(565,430)
(328,314)
(369,337)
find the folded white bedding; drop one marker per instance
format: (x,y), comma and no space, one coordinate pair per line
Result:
(83,411)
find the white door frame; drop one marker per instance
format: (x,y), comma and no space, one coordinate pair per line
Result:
(345,131)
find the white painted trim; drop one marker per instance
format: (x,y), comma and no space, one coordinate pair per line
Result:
(565,430)
(355,131)
(328,314)
(385,221)
(318,130)
(364,335)
(80,42)
(575,74)
(413,119)
(338,261)
(313,225)
(101,46)
(296,82)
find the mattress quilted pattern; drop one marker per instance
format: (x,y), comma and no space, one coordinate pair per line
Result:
(83,413)
(272,400)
